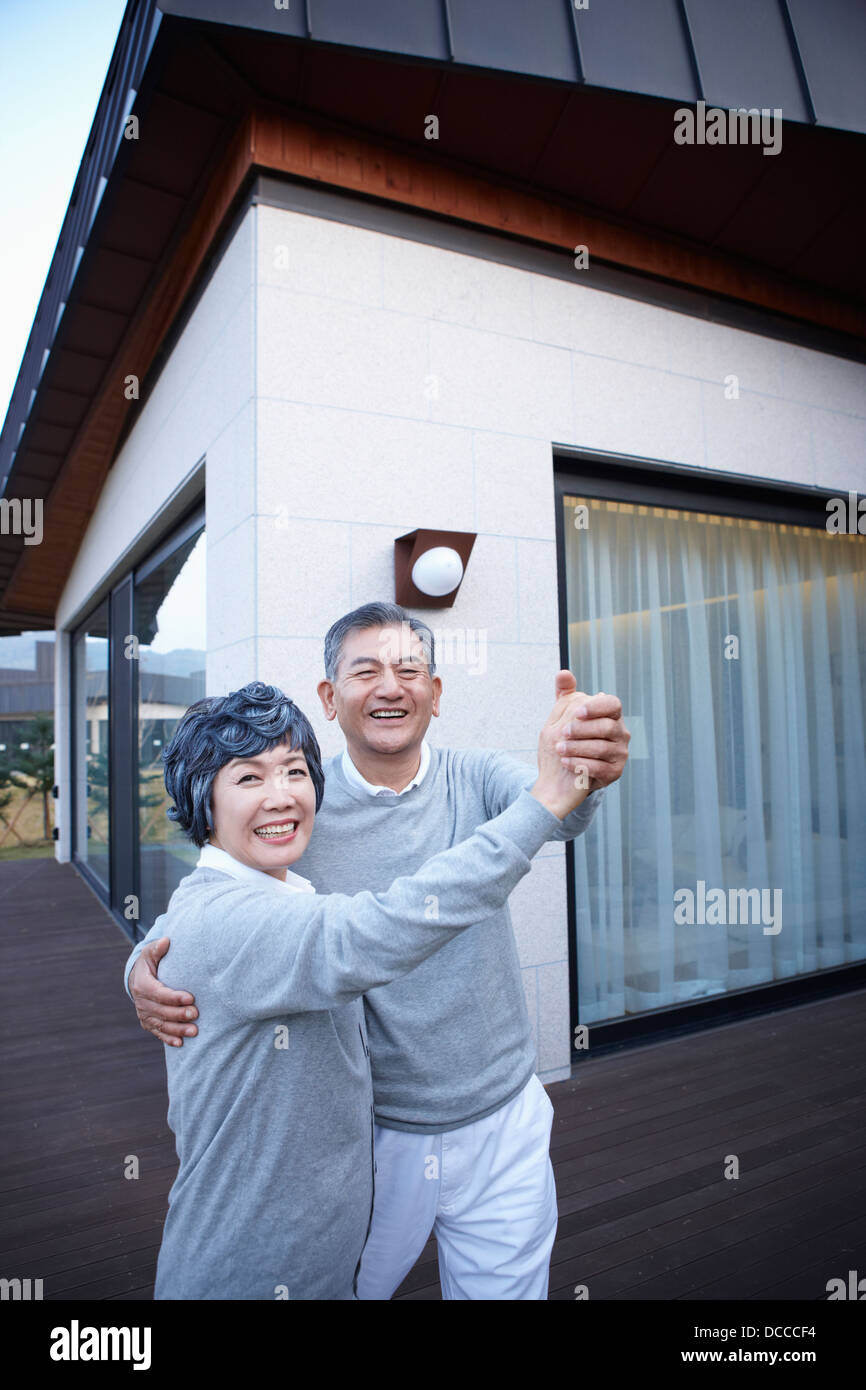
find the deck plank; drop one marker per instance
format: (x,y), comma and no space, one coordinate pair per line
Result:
(638,1143)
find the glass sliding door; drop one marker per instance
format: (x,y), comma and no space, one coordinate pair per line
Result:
(137,663)
(169,623)
(90,727)
(732,852)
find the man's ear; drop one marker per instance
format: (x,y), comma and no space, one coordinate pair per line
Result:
(326,695)
(437,695)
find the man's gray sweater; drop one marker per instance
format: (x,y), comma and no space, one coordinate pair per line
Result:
(451,1042)
(271,1103)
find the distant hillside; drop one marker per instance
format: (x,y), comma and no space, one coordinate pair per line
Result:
(181,662)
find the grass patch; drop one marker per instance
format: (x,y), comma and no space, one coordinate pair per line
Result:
(45,850)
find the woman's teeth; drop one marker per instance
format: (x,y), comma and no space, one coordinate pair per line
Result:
(273,832)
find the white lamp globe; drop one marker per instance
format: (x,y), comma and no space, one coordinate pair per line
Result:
(437,571)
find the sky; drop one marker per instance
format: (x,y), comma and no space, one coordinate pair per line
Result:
(54,57)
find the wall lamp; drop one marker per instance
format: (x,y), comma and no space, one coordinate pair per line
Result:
(429,567)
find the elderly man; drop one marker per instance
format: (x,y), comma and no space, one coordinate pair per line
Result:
(462,1122)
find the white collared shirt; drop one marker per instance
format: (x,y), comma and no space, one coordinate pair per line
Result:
(211,857)
(353,776)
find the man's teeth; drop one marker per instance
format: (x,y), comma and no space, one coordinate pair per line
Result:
(388,714)
(271,832)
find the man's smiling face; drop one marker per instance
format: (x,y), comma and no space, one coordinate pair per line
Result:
(383,694)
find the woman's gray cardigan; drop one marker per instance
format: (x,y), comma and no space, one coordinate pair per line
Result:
(271,1103)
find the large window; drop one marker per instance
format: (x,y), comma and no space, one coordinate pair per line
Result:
(731,853)
(138,662)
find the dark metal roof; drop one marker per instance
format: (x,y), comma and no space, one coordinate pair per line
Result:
(809,59)
(542,94)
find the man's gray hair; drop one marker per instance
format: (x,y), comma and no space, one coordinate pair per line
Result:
(373,615)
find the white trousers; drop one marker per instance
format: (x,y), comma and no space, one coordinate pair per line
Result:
(486,1191)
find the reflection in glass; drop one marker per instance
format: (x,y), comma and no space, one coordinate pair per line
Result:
(169,619)
(90,737)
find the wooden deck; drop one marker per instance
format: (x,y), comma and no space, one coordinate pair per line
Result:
(639,1143)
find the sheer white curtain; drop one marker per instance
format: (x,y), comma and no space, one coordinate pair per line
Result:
(738,649)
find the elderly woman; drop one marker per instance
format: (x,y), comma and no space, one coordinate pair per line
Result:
(271,1104)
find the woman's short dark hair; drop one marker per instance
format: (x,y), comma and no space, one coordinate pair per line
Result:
(215,730)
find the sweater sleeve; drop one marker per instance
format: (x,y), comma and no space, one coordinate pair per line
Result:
(156,931)
(269,954)
(504,778)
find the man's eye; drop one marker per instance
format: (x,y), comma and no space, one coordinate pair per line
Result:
(408,670)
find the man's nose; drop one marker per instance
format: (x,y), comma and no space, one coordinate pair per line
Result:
(389,685)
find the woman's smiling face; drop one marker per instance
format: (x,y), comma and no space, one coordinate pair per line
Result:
(263,809)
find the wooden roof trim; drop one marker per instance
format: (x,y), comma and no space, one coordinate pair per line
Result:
(292,145)
(273,141)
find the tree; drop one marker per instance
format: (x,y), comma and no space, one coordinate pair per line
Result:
(33,767)
(5,783)
(97,796)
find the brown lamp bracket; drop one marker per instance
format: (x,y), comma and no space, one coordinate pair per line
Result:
(409,548)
